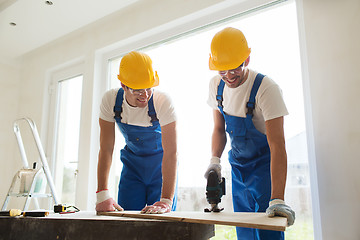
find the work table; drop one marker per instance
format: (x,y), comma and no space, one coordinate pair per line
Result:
(87,225)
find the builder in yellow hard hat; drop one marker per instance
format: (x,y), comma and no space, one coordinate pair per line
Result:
(146,119)
(250,108)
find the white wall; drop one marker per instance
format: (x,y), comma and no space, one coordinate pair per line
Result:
(9,107)
(330,56)
(332,40)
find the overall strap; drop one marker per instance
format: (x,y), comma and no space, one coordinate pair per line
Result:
(118,104)
(219,96)
(151,112)
(251,103)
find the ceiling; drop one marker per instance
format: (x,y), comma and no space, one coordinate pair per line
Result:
(39,22)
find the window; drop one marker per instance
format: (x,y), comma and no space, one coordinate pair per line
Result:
(182,65)
(67,109)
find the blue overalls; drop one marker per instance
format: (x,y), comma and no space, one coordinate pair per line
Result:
(141,177)
(249,158)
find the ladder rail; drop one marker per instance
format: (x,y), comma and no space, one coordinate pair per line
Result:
(21,145)
(3,208)
(40,149)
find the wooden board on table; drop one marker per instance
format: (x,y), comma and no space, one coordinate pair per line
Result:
(239,219)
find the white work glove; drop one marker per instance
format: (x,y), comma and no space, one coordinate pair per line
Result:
(214,165)
(162,206)
(105,203)
(277,207)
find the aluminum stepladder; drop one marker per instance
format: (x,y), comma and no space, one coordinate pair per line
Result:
(30,175)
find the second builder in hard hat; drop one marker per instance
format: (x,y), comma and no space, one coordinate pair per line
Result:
(250,108)
(146,118)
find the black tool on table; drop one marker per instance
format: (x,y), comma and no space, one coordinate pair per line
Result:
(18,212)
(215,189)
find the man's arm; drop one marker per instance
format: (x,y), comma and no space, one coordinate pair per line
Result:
(169,162)
(107,140)
(278,169)
(104,201)
(218,140)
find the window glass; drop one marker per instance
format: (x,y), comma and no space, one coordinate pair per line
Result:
(67,138)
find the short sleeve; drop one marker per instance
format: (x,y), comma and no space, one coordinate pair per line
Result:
(107,105)
(271,103)
(164,108)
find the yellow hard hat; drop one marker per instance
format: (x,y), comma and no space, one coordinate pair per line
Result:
(229,49)
(136,71)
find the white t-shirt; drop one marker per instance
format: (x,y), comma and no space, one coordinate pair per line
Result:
(165,111)
(269,102)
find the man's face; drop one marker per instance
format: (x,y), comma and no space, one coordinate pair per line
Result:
(235,77)
(137,97)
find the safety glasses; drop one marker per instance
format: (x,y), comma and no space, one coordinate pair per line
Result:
(232,71)
(139,92)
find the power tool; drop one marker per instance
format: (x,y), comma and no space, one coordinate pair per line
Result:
(215,189)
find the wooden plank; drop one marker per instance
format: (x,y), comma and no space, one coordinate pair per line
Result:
(239,219)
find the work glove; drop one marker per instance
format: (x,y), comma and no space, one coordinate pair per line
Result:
(105,203)
(162,206)
(277,207)
(214,165)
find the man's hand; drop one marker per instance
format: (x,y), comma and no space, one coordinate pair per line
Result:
(162,206)
(105,203)
(214,165)
(277,207)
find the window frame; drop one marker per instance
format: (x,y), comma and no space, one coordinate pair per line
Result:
(192,23)
(56,76)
